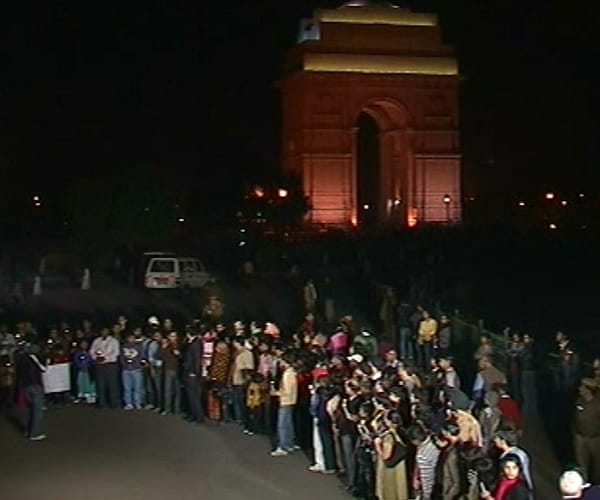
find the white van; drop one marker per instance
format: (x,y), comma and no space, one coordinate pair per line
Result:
(169,271)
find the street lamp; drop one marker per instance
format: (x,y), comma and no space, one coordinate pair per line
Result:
(447,199)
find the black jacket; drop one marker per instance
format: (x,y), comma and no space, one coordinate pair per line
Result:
(192,358)
(29,370)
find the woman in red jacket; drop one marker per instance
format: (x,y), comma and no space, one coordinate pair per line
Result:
(511,485)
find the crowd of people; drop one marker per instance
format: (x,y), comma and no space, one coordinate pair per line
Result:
(393,418)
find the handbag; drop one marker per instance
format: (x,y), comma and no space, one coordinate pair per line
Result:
(398,454)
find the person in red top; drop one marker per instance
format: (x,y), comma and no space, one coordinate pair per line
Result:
(511,485)
(511,413)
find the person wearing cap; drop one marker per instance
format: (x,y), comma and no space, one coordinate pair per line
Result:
(587,429)
(154,394)
(573,484)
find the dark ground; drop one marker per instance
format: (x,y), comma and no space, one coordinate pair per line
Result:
(100,455)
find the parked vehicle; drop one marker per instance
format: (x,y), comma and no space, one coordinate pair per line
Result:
(167,271)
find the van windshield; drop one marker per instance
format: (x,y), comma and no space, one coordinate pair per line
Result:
(163,266)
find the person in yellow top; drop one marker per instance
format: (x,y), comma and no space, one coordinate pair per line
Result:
(255,398)
(288,396)
(426,335)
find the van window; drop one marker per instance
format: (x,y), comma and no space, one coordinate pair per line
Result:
(163,266)
(189,266)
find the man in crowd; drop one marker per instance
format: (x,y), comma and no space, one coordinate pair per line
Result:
(288,396)
(105,353)
(587,429)
(192,372)
(29,374)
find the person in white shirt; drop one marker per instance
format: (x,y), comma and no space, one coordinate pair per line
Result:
(105,353)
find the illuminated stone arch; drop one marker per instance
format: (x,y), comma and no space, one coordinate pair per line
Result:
(390,64)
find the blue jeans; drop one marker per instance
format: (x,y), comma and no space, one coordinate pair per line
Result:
(405,343)
(34,396)
(424,355)
(238,395)
(285,428)
(133,387)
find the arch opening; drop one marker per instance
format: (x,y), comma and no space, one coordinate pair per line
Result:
(381,164)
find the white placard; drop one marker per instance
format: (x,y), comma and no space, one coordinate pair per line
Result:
(57,378)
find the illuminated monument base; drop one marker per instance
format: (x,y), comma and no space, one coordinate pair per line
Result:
(389,64)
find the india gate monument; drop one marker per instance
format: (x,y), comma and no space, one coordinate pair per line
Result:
(370,117)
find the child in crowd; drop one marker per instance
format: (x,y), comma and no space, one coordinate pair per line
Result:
(255,399)
(86,387)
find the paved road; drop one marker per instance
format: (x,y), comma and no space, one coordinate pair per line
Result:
(93,454)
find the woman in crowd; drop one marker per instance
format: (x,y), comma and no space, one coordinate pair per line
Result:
(391,460)
(511,485)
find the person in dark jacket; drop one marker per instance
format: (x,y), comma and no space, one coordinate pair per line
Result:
(29,375)
(192,374)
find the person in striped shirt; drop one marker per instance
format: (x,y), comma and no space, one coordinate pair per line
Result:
(426,459)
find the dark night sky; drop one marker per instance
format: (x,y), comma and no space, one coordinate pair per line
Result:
(92,87)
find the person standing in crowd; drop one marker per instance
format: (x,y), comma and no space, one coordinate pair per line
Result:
(310,296)
(511,485)
(346,420)
(514,353)
(241,370)
(529,391)
(105,353)
(86,387)
(30,367)
(218,375)
(405,331)
(450,377)
(154,367)
(506,440)
(487,376)
(485,348)
(192,373)
(324,424)
(391,450)
(171,358)
(427,454)
(444,336)
(587,429)
(426,336)
(287,395)
(132,358)
(448,468)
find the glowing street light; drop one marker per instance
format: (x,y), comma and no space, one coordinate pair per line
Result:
(521,203)
(282,193)
(447,199)
(181,220)
(552,226)
(564,203)
(549,196)
(366,206)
